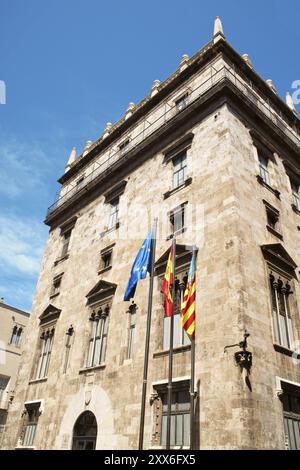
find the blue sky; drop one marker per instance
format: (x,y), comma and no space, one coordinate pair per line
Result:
(70,66)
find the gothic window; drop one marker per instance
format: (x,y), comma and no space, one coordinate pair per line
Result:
(45,349)
(180,338)
(291,413)
(16,335)
(99,322)
(179,170)
(31,417)
(281,293)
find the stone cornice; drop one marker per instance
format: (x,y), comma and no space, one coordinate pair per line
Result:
(200,59)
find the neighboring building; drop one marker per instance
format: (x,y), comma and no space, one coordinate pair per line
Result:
(12,325)
(215,153)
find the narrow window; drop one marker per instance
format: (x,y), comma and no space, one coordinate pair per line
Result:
(180,418)
(282,320)
(55,290)
(179,170)
(3,387)
(291,413)
(80,183)
(182,102)
(16,335)
(46,342)
(124,146)
(263,168)
(180,338)
(295,194)
(66,237)
(177,219)
(32,413)
(98,338)
(272,219)
(114,214)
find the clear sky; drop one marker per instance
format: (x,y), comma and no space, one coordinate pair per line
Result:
(70,66)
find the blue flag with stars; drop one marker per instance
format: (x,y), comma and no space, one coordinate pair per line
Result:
(141,265)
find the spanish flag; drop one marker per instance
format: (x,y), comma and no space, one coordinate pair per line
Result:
(167,286)
(188,306)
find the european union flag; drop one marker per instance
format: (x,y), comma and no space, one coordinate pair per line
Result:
(141,265)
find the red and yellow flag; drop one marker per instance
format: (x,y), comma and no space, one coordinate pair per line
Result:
(188,306)
(167,284)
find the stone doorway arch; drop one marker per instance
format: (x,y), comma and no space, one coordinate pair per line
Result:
(85,432)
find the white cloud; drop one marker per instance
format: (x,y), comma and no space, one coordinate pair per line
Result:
(24,168)
(21,244)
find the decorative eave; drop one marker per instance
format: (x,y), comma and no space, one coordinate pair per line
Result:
(183,256)
(101,291)
(51,313)
(277,256)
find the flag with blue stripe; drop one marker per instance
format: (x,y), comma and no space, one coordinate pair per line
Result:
(141,265)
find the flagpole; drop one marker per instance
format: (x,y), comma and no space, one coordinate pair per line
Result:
(168,440)
(147,342)
(192,390)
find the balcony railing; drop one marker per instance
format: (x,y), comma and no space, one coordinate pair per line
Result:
(169,112)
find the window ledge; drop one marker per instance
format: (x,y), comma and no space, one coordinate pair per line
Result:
(285,350)
(186,183)
(171,447)
(176,350)
(25,448)
(177,233)
(60,260)
(36,381)
(52,296)
(85,370)
(104,270)
(294,207)
(267,186)
(109,230)
(274,232)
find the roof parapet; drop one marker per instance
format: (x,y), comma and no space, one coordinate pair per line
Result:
(218,30)
(71,159)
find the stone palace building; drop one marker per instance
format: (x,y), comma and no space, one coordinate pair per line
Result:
(13,323)
(214,153)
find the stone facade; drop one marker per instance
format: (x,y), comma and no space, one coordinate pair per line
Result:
(12,328)
(231,113)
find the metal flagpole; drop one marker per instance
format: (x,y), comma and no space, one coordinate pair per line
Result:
(147,343)
(168,440)
(192,391)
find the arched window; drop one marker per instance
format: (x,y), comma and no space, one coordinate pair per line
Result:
(85,432)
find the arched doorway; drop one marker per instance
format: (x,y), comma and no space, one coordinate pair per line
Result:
(85,432)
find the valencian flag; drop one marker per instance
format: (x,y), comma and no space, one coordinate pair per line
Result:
(188,306)
(140,267)
(167,284)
